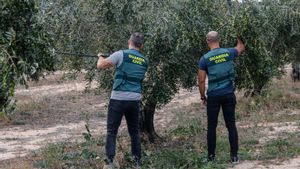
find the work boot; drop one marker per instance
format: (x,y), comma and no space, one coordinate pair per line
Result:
(136,163)
(211,158)
(234,160)
(108,164)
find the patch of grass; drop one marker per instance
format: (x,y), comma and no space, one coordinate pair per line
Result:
(70,155)
(223,151)
(53,156)
(10,139)
(88,154)
(250,142)
(25,108)
(25,113)
(102,114)
(298,123)
(296,90)
(18,122)
(280,148)
(186,148)
(68,76)
(178,158)
(193,127)
(265,107)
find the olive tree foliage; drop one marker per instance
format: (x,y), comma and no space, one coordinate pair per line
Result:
(175,40)
(73,26)
(269,29)
(24,48)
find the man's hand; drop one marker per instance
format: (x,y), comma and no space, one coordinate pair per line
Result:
(204,100)
(103,63)
(101,55)
(240,46)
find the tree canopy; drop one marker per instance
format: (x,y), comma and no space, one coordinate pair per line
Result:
(24,47)
(175,40)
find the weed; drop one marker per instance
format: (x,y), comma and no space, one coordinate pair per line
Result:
(102,114)
(18,122)
(25,113)
(178,158)
(281,148)
(87,152)
(73,155)
(53,156)
(24,108)
(192,128)
(264,107)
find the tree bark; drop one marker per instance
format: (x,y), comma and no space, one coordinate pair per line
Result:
(147,121)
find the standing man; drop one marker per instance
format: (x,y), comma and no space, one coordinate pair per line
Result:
(218,65)
(131,67)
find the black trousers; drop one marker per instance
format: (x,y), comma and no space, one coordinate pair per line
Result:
(214,103)
(116,110)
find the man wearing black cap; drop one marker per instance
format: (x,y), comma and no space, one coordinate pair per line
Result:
(131,67)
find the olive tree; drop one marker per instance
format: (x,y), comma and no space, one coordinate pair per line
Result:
(24,47)
(269,29)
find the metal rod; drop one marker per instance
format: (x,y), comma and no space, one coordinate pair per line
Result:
(78,54)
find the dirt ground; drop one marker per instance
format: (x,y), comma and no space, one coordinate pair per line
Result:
(57,111)
(50,111)
(290,164)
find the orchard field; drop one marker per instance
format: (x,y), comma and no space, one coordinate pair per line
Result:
(47,129)
(53,106)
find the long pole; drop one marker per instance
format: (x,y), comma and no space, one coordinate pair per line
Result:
(77,54)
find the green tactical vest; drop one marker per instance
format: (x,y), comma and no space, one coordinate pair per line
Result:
(130,74)
(220,68)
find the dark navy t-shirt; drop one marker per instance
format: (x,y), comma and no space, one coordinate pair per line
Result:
(226,90)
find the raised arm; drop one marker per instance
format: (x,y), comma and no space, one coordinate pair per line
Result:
(240,46)
(104,63)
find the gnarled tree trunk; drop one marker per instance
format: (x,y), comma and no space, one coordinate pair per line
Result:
(147,121)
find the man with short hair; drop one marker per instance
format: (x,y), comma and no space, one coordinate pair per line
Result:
(131,67)
(218,65)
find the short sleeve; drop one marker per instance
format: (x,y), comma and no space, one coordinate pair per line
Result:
(116,58)
(233,52)
(202,64)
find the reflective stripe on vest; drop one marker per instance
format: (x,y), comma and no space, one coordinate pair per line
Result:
(130,74)
(220,69)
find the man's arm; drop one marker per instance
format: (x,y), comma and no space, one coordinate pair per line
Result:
(104,63)
(240,46)
(201,83)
